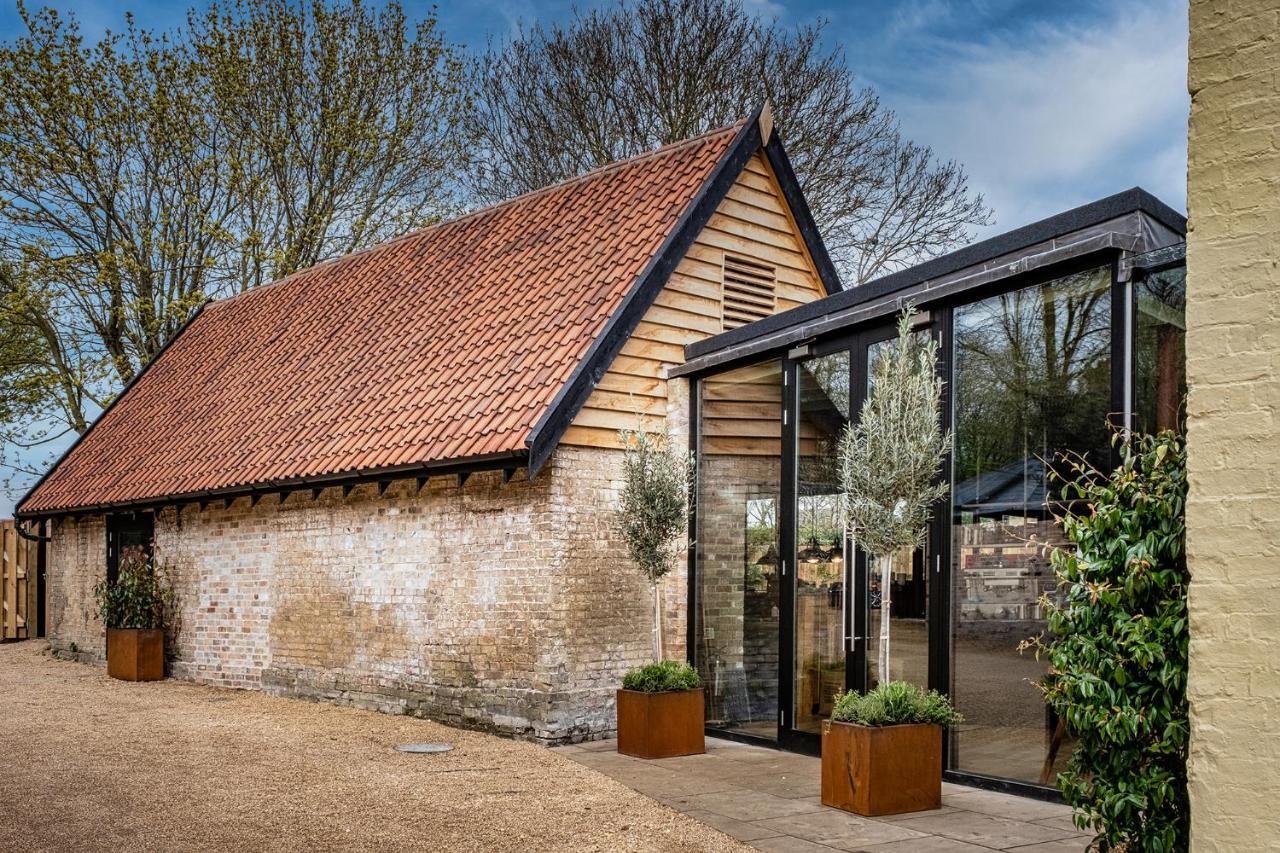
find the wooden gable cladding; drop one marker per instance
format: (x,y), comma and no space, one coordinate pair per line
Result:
(753,222)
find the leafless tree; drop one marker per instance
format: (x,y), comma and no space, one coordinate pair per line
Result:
(557,100)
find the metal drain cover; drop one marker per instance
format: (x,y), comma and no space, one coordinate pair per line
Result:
(425,747)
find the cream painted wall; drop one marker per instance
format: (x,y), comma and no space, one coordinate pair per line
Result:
(1233,366)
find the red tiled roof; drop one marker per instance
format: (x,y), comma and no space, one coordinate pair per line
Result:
(449,343)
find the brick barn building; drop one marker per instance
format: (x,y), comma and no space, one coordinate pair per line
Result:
(387,480)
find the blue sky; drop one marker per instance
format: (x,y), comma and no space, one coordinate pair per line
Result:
(1048,105)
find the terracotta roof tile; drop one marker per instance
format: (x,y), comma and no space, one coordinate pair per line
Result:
(447,343)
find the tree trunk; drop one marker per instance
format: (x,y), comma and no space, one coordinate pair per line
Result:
(886,576)
(658,650)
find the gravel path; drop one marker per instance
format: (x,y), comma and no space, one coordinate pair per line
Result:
(88,763)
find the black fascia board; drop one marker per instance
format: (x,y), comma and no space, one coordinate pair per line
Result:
(569,400)
(137,377)
(1076,219)
(794,197)
(488,462)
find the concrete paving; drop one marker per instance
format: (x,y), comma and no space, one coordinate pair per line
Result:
(770,800)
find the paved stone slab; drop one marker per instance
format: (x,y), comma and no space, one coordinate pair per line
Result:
(770,799)
(1005,805)
(984,830)
(790,844)
(755,806)
(739,829)
(928,844)
(1078,844)
(839,829)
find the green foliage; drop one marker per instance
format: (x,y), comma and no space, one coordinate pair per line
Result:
(654,511)
(1119,647)
(891,456)
(142,173)
(895,703)
(662,677)
(141,597)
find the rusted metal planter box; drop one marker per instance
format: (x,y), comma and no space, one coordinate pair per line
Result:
(881,770)
(661,725)
(135,654)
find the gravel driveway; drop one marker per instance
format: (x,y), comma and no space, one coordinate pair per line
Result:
(88,763)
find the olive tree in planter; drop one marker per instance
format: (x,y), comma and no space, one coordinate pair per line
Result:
(660,706)
(889,465)
(135,608)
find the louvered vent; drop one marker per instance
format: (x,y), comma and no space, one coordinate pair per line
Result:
(749,292)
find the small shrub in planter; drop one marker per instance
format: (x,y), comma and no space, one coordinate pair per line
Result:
(882,751)
(660,705)
(660,711)
(134,608)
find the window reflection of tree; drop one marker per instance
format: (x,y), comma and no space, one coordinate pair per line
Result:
(1033,370)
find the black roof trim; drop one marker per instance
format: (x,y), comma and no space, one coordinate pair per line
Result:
(800,212)
(1076,219)
(571,397)
(17,510)
(466,465)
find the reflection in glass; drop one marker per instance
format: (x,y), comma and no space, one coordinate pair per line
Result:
(1032,378)
(737,591)
(1159,353)
(908,594)
(823,402)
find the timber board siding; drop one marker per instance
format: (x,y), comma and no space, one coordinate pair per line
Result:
(752,222)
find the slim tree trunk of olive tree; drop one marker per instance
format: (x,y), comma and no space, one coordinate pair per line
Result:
(659,652)
(886,577)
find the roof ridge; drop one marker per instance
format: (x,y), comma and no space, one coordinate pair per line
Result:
(590,174)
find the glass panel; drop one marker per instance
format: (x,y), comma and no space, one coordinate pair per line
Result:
(1032,378)
(908,595)
(738,590)
(1159,350)
(823,401)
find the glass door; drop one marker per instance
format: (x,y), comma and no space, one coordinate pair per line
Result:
(837,597)
(820,590)
(896,592)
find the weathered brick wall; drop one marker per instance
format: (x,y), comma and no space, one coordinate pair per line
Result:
(76,561)
(1233,369)
(505,606)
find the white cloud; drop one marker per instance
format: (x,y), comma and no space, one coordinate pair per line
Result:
(1057,115)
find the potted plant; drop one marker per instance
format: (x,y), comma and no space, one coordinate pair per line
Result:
(661,712)
(882,751)
(890,459)
(660,706)
(133,608)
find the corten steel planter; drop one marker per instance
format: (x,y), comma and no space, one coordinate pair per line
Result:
(135,654)
(661,725)
(881,770)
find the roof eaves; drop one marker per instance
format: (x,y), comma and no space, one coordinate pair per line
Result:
(546,433)
(1084,216)
(137,377)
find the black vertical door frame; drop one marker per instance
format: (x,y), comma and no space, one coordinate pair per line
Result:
(691,578)
(42,569)
(787,736)
(940,573)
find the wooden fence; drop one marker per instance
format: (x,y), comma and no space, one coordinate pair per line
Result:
(20,567)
